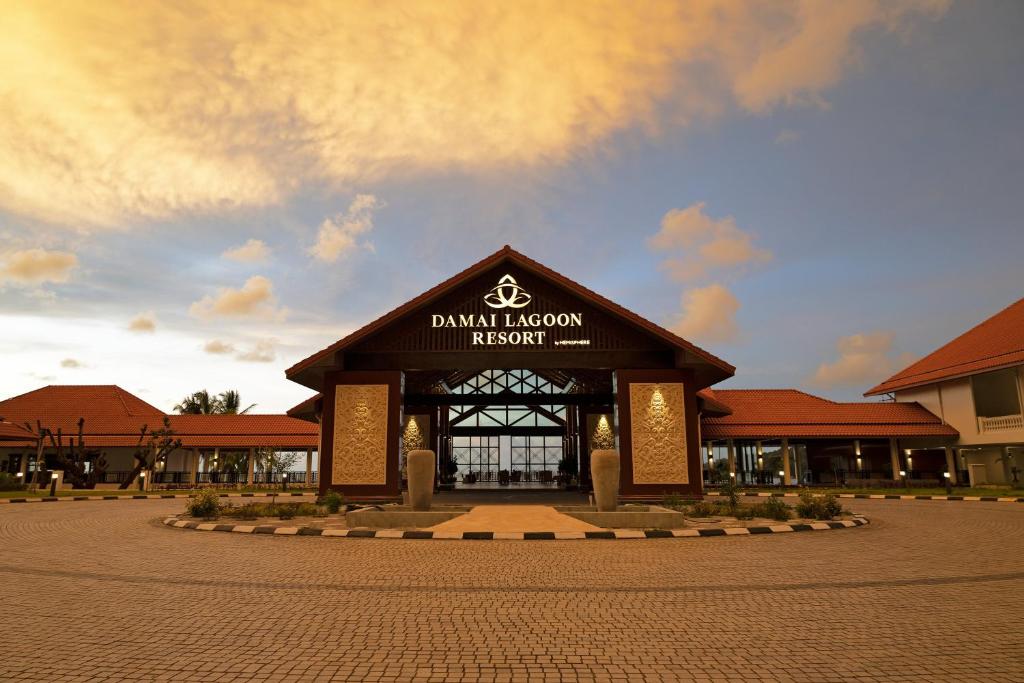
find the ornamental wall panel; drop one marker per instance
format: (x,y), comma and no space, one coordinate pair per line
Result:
(360,434)
(658,430)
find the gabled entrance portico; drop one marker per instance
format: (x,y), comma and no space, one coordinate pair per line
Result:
(510,349)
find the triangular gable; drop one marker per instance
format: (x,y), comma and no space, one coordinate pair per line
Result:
(537,309)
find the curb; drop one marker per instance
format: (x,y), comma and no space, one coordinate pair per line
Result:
(152,496)
(877,496)
(420,534)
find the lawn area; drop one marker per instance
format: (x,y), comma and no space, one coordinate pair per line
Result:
(901,491)
(70,493)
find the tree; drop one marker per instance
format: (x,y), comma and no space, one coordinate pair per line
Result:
(230,401)
(271,461)
(199,403)
(151,450)
(82,467)
(202,403)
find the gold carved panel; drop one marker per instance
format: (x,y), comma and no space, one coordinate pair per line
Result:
(360,434)
(658,429)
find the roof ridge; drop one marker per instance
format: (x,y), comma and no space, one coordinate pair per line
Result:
(905,375)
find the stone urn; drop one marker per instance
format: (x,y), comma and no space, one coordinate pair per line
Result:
(604,473)
(419,468)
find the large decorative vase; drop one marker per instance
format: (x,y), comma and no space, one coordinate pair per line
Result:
(420,470)
(604,473)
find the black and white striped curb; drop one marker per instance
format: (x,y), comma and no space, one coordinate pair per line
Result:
(876,496)
(422,534)
(164,496)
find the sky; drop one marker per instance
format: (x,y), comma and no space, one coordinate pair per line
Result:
(199,197)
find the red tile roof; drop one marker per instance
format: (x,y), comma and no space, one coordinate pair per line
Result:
(244,431)
(12,432)
(996,343)
(722,370)
(775,413)
(113,417)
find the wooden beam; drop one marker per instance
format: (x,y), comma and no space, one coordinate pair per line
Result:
(508,399)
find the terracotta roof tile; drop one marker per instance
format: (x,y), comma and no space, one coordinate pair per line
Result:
(995,343)
(774,413)
(12,432)
(107,408)
(227,431)
(114,418)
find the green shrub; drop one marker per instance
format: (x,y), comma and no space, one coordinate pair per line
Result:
(825,506)
(332,500)
(203,503)
(248,511)
(744,512)
(9,482)
(731,494)
(702,509)
(673,501)
(774,508)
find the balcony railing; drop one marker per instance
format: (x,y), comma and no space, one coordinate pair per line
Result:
(1001,423)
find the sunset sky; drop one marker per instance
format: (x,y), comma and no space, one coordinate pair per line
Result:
(198,195)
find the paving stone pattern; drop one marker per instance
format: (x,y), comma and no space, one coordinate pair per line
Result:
(927,592)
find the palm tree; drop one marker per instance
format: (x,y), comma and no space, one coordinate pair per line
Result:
(230,402)
(199,403)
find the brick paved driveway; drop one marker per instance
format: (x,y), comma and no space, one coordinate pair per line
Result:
(98,591)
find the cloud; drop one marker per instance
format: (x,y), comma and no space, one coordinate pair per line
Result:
(71,363)
(243,108)
(786,137)
(262,352)
(36,266)
(253,251)
(703,244)
(339,236)
(254,300)
(218,347)
(864,359)
(708,315)
(143,322)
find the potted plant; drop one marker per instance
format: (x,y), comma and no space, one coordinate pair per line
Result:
(469,478)
(517,476)
(503,478)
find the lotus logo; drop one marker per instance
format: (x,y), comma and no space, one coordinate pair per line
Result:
(507,294)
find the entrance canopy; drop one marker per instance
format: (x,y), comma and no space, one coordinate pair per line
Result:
(509,311)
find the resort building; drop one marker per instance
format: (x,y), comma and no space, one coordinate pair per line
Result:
(975,384)
(214,449)
(514,374)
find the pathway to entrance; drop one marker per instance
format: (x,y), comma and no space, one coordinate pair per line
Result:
(930,590)
(514,518)
(510,496)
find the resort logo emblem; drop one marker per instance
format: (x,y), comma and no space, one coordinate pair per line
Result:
(507,294)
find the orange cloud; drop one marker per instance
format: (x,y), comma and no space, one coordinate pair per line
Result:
(864,359)
(704,244)
(36,266)
(218,347)
(115,111)
(262,352)
(253,251)
(709,315)
(339,235)
(143,322)
(254,300)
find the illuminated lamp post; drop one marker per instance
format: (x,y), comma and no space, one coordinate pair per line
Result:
(949,486)
(53,484)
